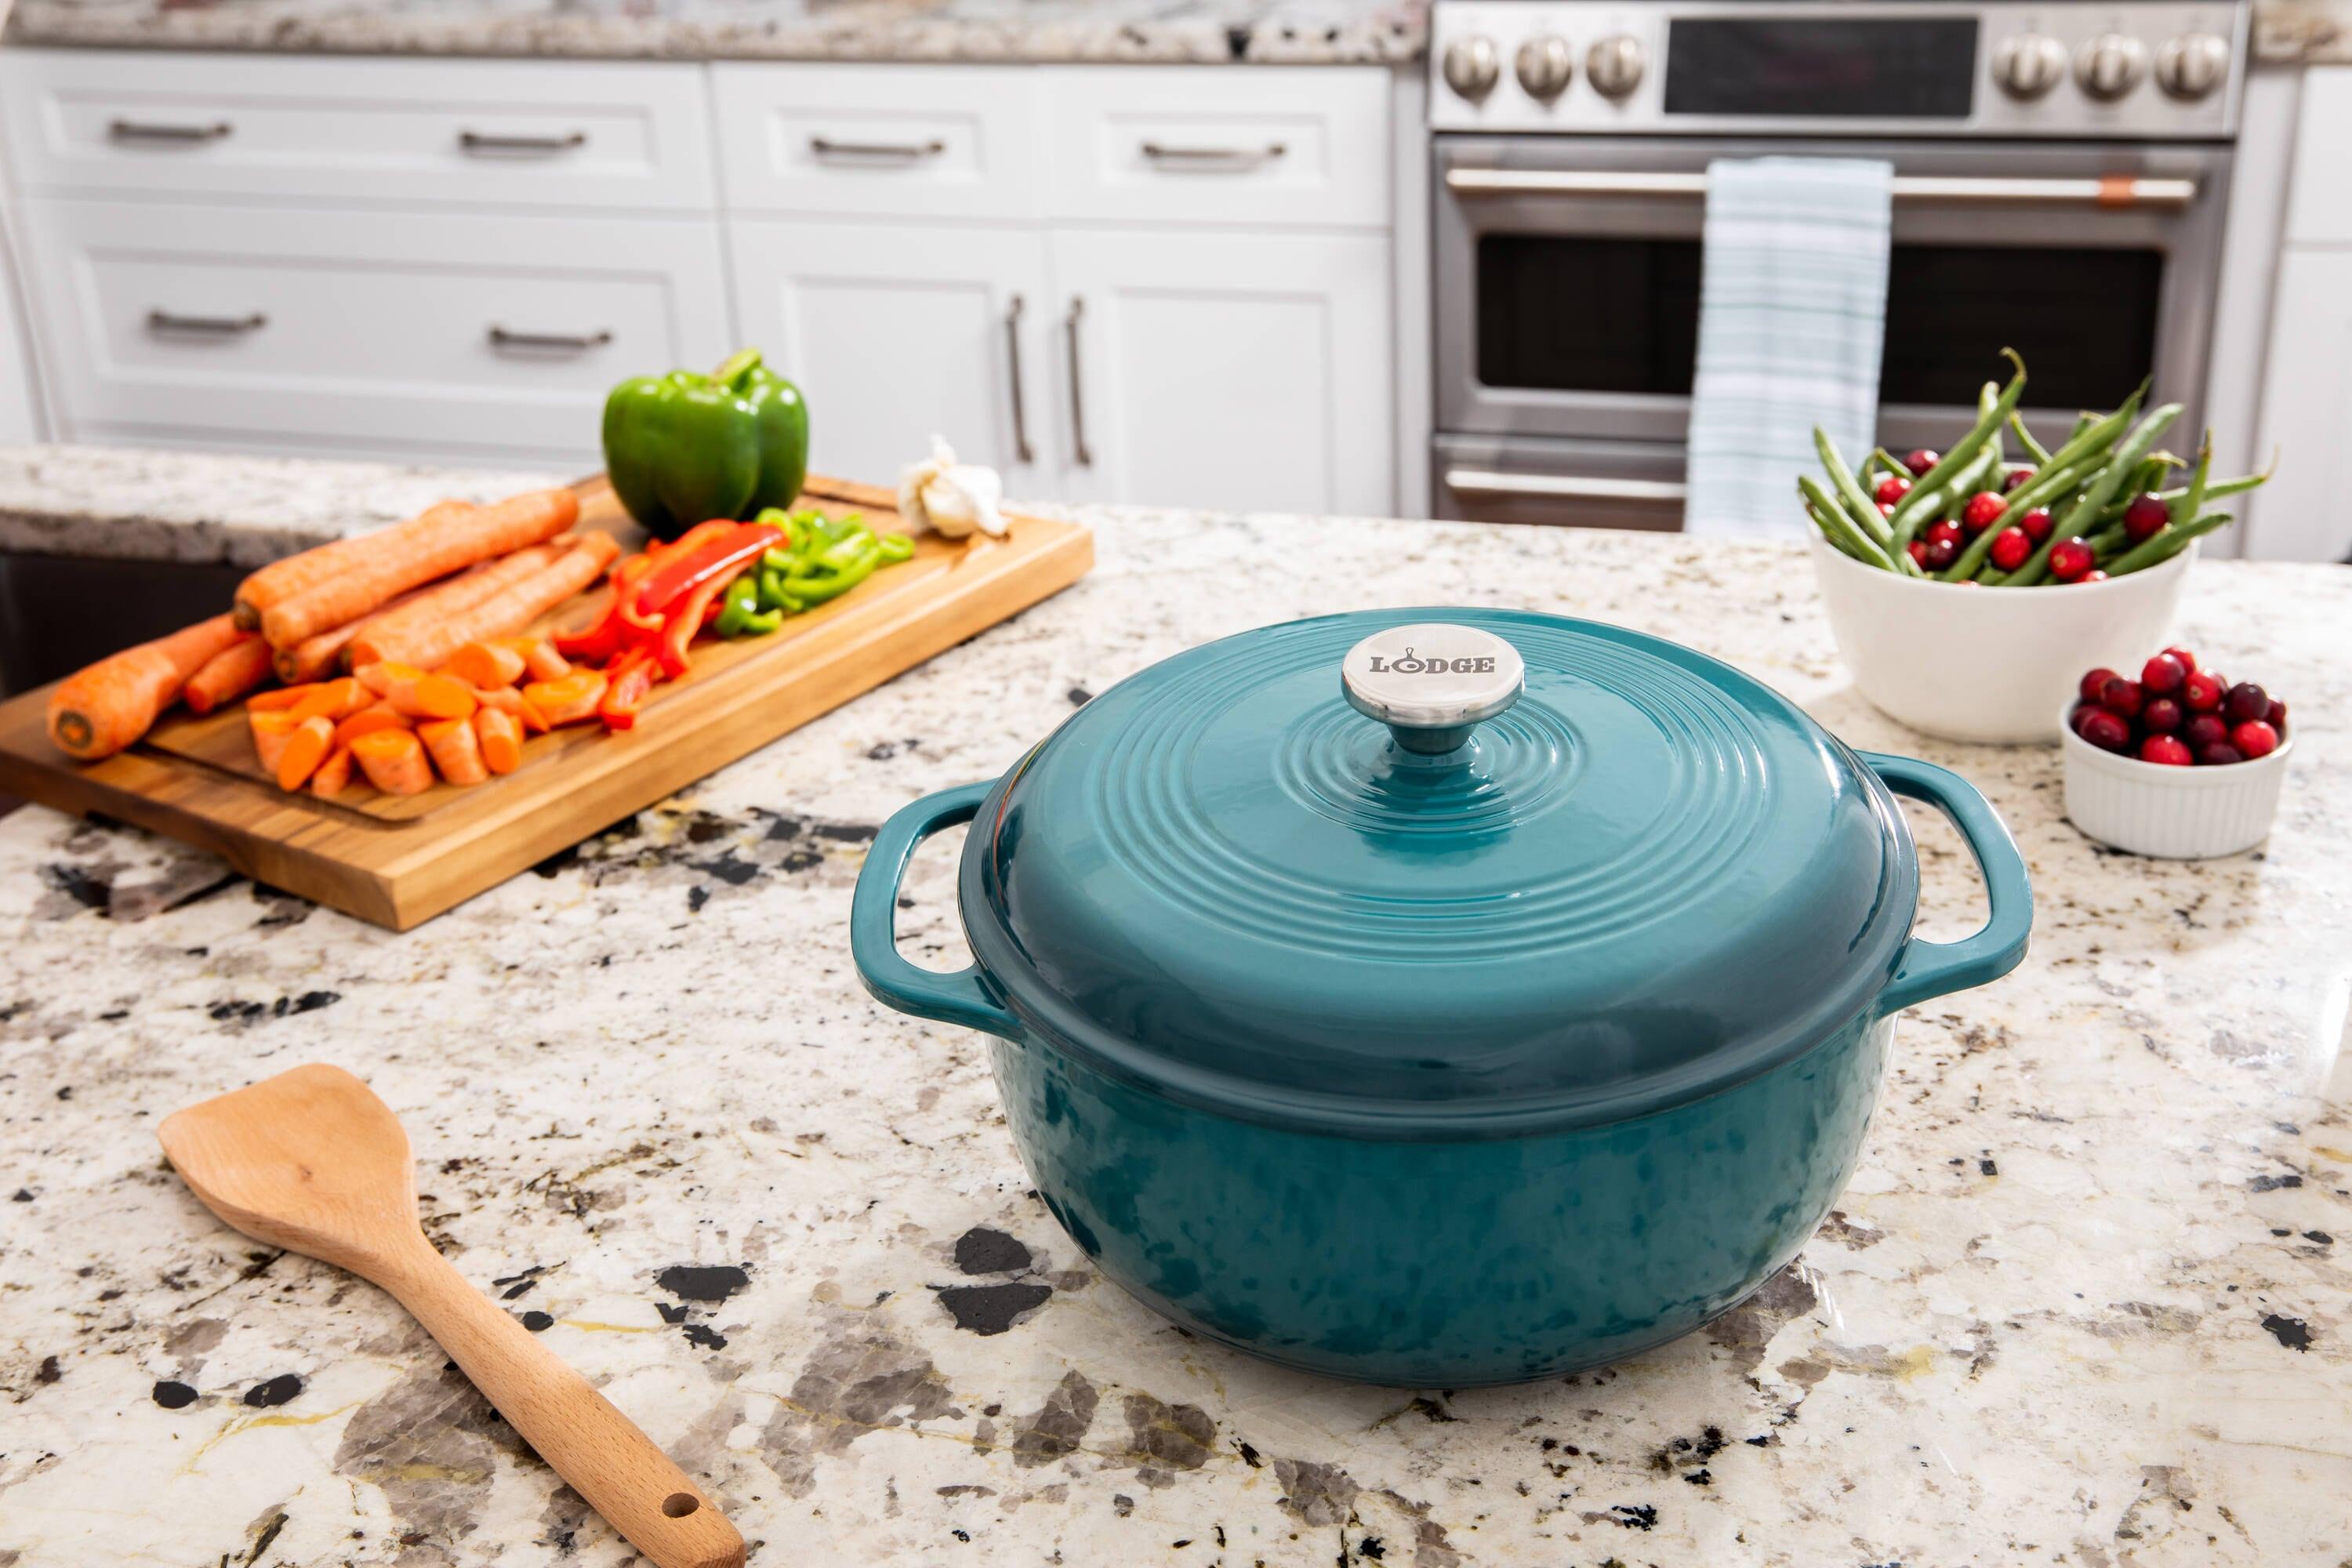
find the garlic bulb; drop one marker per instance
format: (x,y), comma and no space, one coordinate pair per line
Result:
(951,498)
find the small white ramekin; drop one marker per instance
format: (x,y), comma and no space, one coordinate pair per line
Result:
(2172,814)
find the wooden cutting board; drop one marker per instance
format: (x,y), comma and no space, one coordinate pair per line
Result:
(397,862)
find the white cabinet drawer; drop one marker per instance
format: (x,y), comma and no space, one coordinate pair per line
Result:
(878,140)
(447,331)
(573,133)
(1301,146)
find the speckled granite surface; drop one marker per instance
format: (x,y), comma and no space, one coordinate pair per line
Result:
(1302,32)
(2304,32)
(2086,1302)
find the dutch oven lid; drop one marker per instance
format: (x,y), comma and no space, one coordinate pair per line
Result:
(1411,870)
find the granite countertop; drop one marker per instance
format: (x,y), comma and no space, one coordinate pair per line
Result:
(1302,32)
(2086,1301)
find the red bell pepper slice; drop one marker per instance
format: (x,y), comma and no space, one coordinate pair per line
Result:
(683,572)
(684,619)
(627,684)
(605,638)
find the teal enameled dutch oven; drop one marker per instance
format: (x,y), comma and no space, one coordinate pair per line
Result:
(1441,998)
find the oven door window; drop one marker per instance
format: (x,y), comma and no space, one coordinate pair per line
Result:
(1621,316)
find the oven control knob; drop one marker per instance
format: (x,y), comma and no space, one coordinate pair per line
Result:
(1544,66)
(1472,65)
(2109,66)
(2192,65)
(1613,66)
(2029,65)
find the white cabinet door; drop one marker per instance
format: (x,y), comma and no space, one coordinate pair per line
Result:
(1225,371)
(2304,513)
(898,332)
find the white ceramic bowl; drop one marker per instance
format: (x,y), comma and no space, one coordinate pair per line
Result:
(1988,663)
(2175,813)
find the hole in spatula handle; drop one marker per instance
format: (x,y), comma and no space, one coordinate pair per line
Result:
(677,1505)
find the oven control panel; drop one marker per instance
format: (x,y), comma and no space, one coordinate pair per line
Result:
(2160,69)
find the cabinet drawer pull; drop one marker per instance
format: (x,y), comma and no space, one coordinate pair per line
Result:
(480,141)
(206,326)
(1021,452)
(183,135)
(1078,450)
(825,147)
(1214,157)
(556,342)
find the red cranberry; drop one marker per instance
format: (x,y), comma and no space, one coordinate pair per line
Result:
(2094,575)
(2095,682)
(2165,750)
(2015,478)
(2070,559)
(2120,697)
(2201,692)
(2037,524)
(2162,715)
(1941,551)
(1944,530)
(2255,738)
(1891,488)
(2163,675)
(2145,518)
(1886,509)
(1919,459)
(2104,730)
(1918,549)
(2247,701)
(2219,754)
(2188,661)
(1984,509)
(2010,548)
(2276,717)
(2205,730)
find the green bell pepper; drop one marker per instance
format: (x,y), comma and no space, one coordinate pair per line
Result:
(683,448)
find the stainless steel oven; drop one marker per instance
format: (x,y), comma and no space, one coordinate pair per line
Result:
(2085,233)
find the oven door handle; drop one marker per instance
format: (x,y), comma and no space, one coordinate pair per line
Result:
(2102,191)
(1486,483)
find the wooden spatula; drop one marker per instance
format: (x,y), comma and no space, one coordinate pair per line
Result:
(312,1161)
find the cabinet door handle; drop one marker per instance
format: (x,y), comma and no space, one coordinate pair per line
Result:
(480,142)
(1078,450)
(143,131)
(563,342)
(1214,157)
(1021,452)
(825,147)
(206,326)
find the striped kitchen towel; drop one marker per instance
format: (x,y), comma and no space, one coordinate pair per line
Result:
(1792,315)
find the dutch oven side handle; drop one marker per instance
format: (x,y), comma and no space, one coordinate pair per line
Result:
(965,996)
(1935,968)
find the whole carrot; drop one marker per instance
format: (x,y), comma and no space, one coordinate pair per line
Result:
(315,658)
(229,674)
(454,597)
(95,712)
(282,579)
(514,607)
(430,545)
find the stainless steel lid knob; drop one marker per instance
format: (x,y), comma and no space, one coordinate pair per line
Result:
(1472,65)
(2110,65)
(1432,682)
(1546,67)
(1614,65)
(2029,65)
(2191,66)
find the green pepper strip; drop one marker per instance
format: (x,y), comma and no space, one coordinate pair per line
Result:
(739,615)
(1906,519)
(2164,546)
(895,547)
(2096,495)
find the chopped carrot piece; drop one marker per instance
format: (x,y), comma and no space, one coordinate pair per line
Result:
(540,658)
(367,720)
(305,749)
(271,730)
(279,697)
(333,775)
(454,749)
(486,665)
(393,761)
(500,735)
(569,700)
(422,696)
(383,675)
(335,700)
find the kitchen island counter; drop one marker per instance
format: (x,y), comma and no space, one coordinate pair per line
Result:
(2086,1301)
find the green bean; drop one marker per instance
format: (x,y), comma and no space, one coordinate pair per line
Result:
(2093,439)
(1986,396)
(1843,487)
(1971,560)
(2192,501)
(1839,529)
(2163,547)
(2033,448)
(2108,540)
(2053,482)
(2099,492)
(1836,539)
(1970,448)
